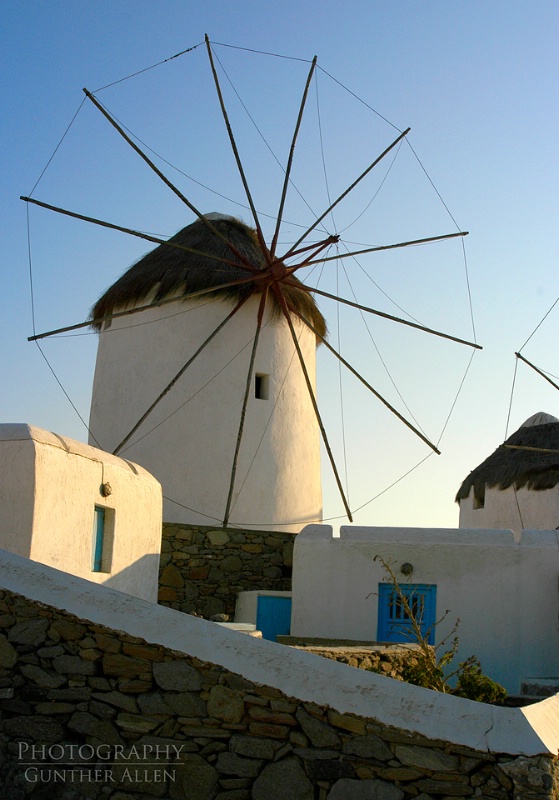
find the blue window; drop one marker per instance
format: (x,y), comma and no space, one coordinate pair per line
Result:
(273,616)
(103,539)
(393,619)
(98,538)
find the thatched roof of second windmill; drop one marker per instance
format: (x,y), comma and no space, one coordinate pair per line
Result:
(168,271)
(508,466)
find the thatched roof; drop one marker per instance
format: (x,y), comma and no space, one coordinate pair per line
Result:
(510,467)
(168,271)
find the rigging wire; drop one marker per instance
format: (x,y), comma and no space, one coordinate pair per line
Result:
(47,165)
(458,393)
(59,382)
(252,523)
(382,291)
(360,100)
(30,271)
(341,391)
(201,388)
(49,365)
(432,184)
(276,159)
(374,197)
(391,485)
(472,321)
(469,290)
(261,52)
(511,398)
(204,186)
(518,355)
(338,311)
(194,510)
(147,69)
(109,330)
(170,164)
(382,361)
(258,446)
(538,326)
(217,193)
(323,155)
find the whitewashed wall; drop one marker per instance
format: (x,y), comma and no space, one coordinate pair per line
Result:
(505,508)
(188,441)
(313,679)
(49,487)
(505,593)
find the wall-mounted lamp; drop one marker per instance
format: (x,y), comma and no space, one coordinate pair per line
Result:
(406,568)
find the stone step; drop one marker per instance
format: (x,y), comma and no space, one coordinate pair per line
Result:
(242,627)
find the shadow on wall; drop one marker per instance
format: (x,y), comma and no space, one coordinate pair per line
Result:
(139,579)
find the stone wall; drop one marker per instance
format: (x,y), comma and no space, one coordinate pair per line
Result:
(388,660)
(202,569)
(88,712)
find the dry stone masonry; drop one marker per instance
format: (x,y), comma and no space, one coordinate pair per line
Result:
(202,569)
(88,712)
(386,659)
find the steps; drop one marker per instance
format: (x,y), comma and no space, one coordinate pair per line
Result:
(533,690)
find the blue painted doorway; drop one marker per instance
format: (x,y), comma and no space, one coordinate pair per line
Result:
(273,616)
(393,620)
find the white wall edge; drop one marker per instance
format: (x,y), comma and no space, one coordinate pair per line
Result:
(515,731)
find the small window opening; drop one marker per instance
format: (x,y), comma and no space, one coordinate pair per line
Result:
(479,499)
(261,386)
(103,538)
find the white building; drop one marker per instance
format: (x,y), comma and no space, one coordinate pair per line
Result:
(189,438)
(517,487)
(503,591)
(85,512)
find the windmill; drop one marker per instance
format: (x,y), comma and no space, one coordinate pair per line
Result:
(249,335)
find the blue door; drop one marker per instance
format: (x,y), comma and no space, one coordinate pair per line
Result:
(393,619)
(273,616)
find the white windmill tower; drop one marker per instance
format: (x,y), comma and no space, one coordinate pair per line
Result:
(227,428)
(212,386)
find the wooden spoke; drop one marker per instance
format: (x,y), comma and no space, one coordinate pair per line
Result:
(104,224)
(165,180)
(89,322)
(389,247)
(248,386)
(259,233)
(290,159)
(317,248)
(546,450)
(393,319)
(366,383)
(178,375)
(334,239)
(287,314)
(347,191)
(263,270)
(537,370)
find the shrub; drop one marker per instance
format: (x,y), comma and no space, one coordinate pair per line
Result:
(429,669)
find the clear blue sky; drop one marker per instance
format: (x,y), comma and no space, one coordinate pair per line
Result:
(477,84)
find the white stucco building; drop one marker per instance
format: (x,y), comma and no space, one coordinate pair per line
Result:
(503,591)
(188,439)
(517,486)
(76,508)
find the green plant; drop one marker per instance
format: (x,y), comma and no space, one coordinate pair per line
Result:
(474,685)
(429,668)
